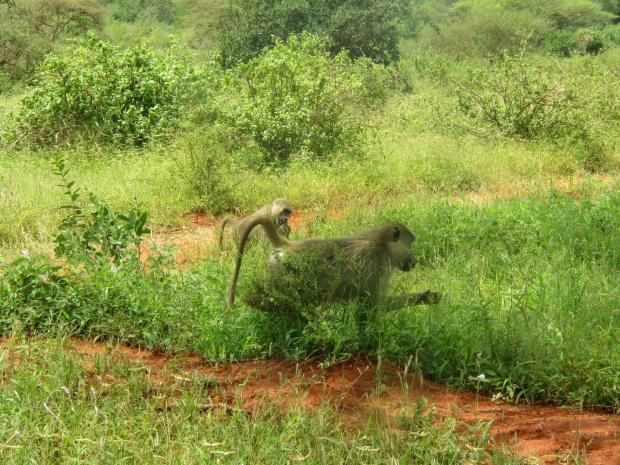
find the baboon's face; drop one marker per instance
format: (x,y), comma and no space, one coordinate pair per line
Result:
(281,210)
(282,218)
(401,253)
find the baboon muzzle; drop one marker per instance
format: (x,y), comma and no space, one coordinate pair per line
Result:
(408,264)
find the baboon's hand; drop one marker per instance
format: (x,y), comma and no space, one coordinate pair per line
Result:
(429,297)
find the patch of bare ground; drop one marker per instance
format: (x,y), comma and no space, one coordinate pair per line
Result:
(575,186)
(199,237)
(355,391)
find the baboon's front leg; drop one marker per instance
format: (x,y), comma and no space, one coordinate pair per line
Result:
(415,298)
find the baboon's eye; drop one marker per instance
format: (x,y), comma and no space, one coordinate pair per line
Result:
(395,235)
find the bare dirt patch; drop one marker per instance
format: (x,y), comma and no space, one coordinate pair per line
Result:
(573,186)
(355,391)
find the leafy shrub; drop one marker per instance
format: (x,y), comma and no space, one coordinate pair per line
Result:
(30,29)
(592,41)
(206,168)
(296,100)
(38,295)
(485,30)
(131,11)
(560,42)
(300,294)
(572,14)
(95,233)
(613,34)
(99,93)
(482,28)
(305,282)
(523,100)
(108,294)
(365,28)
(516,97)
(583,41)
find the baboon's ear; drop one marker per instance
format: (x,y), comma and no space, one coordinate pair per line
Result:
(395,235)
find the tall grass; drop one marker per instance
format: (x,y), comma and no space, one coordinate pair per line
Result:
(402,163)
(532,297)
(530,300)
(30,196)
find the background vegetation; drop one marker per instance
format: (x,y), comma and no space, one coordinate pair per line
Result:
(491,128)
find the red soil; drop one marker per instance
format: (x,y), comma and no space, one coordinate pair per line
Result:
(549,434)
(352,390)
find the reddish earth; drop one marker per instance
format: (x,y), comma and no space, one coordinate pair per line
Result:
(351,388)
(550,434)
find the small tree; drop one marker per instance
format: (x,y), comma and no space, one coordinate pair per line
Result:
(30,28)
(483,27)
(296,100)
(517,98)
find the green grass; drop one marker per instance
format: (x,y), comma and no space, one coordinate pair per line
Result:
(530,283)
(56,408)
(403,163)
(31,197)
(531,298)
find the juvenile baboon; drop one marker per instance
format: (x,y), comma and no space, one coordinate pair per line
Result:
(277,213)
(364,260)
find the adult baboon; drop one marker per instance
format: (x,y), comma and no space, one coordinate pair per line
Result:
(276,213)
(364,262)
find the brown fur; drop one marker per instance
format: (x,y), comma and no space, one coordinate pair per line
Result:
(366,262)
(277,212)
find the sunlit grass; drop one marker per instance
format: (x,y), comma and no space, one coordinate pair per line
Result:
(60,406)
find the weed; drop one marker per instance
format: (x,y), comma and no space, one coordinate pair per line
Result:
(93,231)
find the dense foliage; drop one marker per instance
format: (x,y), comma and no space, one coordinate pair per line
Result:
(365,28)
(132,11)
(518,98)
(91,231)
(467,28)
(294,100)
(30,28)
(98,93)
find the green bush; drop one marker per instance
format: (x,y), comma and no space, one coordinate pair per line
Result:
(30,29)
(560,42)
(299,295)
(305,282)
(38,295)
(592,41)
(97,93)
(516,97)
(205,166)
(484,31)
(479,28)
(93,232)
(521,100)
(297,101)
(366,28)
(131,11)
(583,41)
(571,14)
